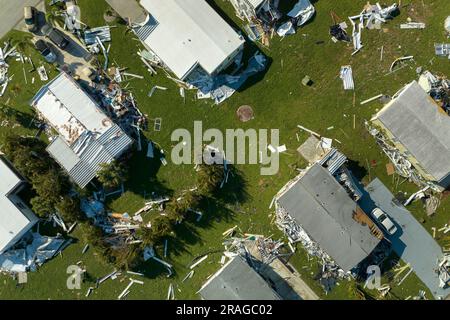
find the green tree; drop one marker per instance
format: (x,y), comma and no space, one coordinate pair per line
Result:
(209,178)
(112,174)
(42,206)
(54,17)
(69,209)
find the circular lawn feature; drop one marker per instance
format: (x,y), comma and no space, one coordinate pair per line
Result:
(245,113)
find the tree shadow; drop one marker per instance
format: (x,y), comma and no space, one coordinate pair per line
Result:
(143,172)
(358,171)
(235,189)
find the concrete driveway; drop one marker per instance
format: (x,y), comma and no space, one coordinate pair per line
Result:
(411,242)
(11,13)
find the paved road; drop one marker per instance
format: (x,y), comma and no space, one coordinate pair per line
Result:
(11,13)
(411,242)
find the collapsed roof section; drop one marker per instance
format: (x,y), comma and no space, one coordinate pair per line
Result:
(186,34)
(322,207)
(15,217)
(414,121)
(86,136)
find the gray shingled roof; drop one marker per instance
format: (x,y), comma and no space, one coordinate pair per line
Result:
(422,127)
(237,281)
(322,207)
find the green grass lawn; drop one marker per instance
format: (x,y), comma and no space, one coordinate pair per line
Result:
(280,102)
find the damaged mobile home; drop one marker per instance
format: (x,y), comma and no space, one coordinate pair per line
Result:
(413,132)
(237,280)
(188,37)
(16,218)
(319,209)
(86,137)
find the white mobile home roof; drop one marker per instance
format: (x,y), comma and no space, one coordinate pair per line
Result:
(190,32)
(87,137)
(422,127)
(13,221)
(69,109)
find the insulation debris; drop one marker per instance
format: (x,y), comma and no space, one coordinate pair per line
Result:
(442,49)
(91,35)
(31,252)
(371,17)
(346,75)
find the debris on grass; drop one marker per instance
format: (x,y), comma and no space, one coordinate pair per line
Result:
(346,75)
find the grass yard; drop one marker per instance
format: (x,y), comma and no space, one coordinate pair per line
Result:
(280,102)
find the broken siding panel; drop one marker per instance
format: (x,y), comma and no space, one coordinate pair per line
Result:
(419,125)
(321,206)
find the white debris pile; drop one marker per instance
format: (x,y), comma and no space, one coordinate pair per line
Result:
(295,233)
(444,271)
(223,86)
(346,75)
(103,33)
(447,24)
(31,252)
(371,17)
(268,249)
(442,49)
(119,228)
(438,88)
(4,54)
(402,165)
(302,12)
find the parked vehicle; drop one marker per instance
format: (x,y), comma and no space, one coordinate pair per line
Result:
(45,51)
(56,36)
(384,220)
(30,15)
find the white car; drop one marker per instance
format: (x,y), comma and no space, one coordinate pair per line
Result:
(384,220)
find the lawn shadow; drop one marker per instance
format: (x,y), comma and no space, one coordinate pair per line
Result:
(358,171)
(143,173)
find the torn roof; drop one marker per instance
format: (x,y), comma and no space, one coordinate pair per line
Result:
(237,280)
(70,110)
(190,33)
(87,137)
(422,127)
(322,207)
(14,222)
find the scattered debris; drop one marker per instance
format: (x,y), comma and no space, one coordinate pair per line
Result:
(444,271)
(31,252)
(442,49)
(154,89)
(396,61)
(302,12)
(102,33)
(372,99)
(412,25)
(347,77)
(198,262)
(371,18)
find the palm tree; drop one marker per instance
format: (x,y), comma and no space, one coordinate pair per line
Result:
(23,44)
(54,17)
(209,178)
(112,174)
